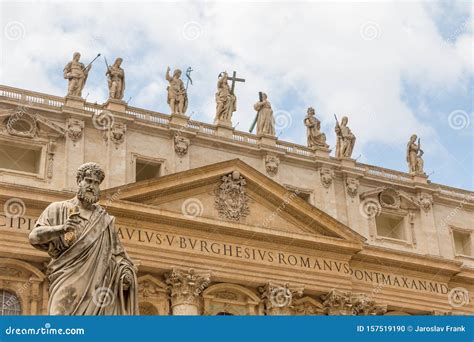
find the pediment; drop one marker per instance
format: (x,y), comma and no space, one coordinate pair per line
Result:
(25,124)
(213,194)
(391,198)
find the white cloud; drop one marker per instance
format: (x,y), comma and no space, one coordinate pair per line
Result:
(343,58)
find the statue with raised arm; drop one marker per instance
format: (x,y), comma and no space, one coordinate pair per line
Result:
(89,273)
(414,156)
(177,96)
(116,80)
(345,139)
(265,119)
(314,135)
(225,100)
(76,74)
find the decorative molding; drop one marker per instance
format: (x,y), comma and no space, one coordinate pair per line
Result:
(75,129)
(327,175)
(181,145)
(51,151)
(390,198)
(352,186)
(231,200)
(26,119)
(278,298)
(271,165)
(337,302)
(117,133)
(186,286)
(426,202)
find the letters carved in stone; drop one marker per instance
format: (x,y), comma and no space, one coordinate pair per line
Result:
(231,200)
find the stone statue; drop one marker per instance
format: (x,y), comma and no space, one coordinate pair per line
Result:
(345,139)
(116,80)
(177,96)
(89,273)
(265,119)
(315,137)
(225,100)
(414,156)
(76,74)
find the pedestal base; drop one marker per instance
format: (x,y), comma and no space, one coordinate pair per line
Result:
(115,105)
(265,139)
(321,152)
(179,119)
(74,102)
(224,128)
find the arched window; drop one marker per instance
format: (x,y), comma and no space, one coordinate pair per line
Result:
(9,304)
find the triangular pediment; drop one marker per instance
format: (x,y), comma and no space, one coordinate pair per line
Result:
(212,194)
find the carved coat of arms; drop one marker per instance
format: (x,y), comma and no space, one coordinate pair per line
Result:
(231,200)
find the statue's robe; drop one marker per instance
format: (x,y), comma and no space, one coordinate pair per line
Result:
(265,120)
(226,102)
(86,278)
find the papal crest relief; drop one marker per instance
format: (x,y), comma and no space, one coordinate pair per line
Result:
(231,201)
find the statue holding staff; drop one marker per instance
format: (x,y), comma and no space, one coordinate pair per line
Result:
(345,139)
(177,95)
(414,156)
(76,74)
(225,99)
(264,119)
(116,79)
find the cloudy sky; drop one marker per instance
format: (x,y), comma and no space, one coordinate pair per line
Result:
(394,68)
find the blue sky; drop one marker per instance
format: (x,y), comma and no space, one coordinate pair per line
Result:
(393,68)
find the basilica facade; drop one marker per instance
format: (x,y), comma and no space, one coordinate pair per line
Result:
(223,222)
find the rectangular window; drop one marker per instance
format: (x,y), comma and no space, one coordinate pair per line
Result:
(390,226)
(20,158)
(145,170)
(462,243)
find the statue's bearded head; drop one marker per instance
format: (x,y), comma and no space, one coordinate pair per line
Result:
(118,61)
(177,73)
(344,120)
(76,56)
(311,111)
(88,177)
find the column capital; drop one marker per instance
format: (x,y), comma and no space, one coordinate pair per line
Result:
(186,287)
(278,298)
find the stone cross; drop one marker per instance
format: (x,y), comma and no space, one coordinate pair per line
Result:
(234,79)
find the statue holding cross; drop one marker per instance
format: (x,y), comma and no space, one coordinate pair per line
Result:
(226,101)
